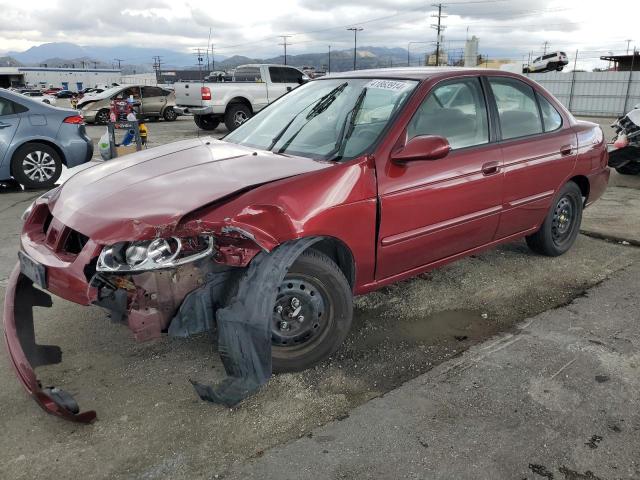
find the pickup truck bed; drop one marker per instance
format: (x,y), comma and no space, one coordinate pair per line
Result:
(253,88)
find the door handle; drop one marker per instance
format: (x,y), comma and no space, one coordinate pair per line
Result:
(566,150)
(490,168)
(4,125)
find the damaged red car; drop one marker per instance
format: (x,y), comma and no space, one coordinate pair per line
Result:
(344,185)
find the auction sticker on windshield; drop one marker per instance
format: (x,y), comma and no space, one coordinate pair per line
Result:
(387,85)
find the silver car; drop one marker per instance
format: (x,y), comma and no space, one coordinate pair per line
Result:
(155,102)
(37,139)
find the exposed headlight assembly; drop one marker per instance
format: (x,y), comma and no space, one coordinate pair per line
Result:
(146,255)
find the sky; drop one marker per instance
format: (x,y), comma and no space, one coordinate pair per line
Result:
(251,27)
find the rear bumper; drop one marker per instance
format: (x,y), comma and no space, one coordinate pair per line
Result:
(598,184)
(25,354)
(186,110)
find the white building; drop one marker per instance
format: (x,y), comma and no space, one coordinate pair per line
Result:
(73,79)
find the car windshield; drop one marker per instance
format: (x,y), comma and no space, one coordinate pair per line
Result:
(329,119)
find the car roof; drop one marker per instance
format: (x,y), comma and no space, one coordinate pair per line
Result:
(33,105)
(416,73)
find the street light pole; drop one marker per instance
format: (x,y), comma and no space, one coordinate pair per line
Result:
(355,31)
(329,67)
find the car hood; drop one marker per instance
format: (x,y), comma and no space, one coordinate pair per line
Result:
(143,193)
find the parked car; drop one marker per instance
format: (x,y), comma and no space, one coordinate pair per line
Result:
(155,102)
(37,139)
(39,96)
(65,94)
(252,87)
(548,63)
(345,185)
(51,90)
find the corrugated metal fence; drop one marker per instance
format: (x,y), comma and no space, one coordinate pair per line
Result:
(595,94)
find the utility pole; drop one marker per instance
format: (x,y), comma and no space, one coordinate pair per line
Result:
(439,29)
(95,64)
(284,43)
(118,60)
(199,56)
(355,31)
(329,68)
(157,64)
(545,46)
(628,43)
(213,58)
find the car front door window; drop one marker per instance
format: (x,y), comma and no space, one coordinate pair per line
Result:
(455,111)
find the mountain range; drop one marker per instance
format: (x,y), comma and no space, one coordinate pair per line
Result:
(140,59)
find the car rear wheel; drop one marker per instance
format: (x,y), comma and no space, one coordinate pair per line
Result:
(206,122)
(102,117)
(36,165)
(169,114)
(236,115)
(312,313)
(561,225)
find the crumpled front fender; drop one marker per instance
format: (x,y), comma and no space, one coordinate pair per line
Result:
(21,296)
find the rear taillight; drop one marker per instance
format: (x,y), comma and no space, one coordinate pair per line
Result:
(75,119)
(205,92)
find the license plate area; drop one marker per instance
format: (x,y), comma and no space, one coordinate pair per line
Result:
(36,272)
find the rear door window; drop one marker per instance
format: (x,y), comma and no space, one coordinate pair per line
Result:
(6,107)
(517,108)
(276,75)
(550,116)
(455,111)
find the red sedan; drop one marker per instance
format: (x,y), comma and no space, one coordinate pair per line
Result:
(346,184)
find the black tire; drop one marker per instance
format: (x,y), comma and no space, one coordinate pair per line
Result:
(36,166)
(169,114)
(102,117)
(327,303)
(631,168)
(206,122)
(561,225)
(236,115)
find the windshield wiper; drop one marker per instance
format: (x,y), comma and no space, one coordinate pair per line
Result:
(320,106)
(345,133)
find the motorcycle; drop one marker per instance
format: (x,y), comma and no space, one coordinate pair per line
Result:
(624,153)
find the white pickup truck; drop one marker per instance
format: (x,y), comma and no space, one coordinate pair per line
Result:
(252,88)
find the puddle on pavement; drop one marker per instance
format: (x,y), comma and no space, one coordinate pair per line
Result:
(460,325)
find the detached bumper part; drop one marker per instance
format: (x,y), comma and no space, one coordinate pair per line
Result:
(25,354)
(244,332)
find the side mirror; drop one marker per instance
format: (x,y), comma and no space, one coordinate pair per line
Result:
(422,147)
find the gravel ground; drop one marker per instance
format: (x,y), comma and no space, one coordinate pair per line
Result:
(150,422)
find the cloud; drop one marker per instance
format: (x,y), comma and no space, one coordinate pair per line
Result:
(252,27)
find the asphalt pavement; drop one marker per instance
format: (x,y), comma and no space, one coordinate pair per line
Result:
(557,397)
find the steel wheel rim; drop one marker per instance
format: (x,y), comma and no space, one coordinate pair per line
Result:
(39,166)
(295,326)
(239,118)
(102,117)
(562,224)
